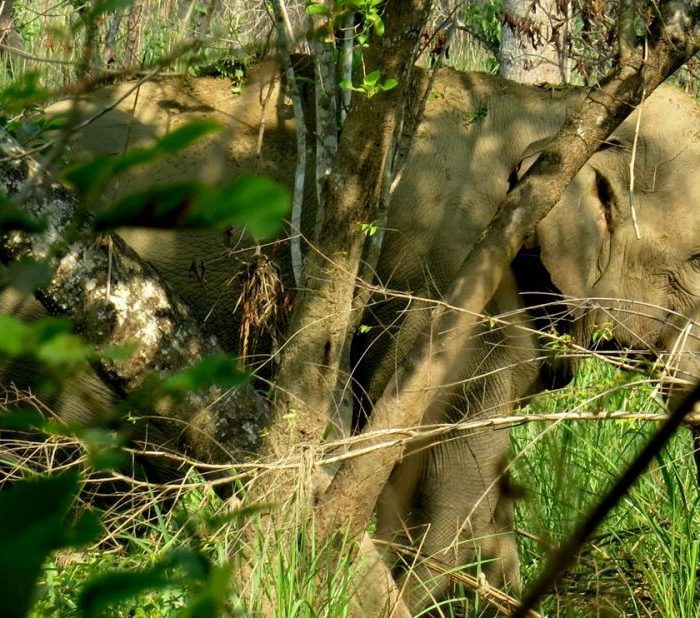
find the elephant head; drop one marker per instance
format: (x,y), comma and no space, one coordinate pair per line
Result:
(629,241)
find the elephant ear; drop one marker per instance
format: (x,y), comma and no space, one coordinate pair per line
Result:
(573,237)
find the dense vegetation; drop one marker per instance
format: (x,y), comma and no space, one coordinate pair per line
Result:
(151,550)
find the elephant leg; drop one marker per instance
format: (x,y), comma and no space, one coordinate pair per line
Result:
(394,504)
(457,516)
(504,572)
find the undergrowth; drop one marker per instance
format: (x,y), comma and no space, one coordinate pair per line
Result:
(643,560)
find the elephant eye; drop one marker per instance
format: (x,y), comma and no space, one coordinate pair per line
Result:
(606,197)
(694,261)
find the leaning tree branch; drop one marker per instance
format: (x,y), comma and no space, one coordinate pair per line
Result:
(350,498)
(114,298)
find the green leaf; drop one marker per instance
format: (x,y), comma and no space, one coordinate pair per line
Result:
(388,84)
(26,275)
(21,419)
(172,142)
(63,349)
(46,329)
(156,206)
(317,9)
(48,339)
(113,587)
(108,459)
(87,177)
(104,590)
(23,92)
(346,84)
(119,353)
(107,6)
(210,602)
(252,201)
(195,565)
(257,202)
(104,448)
(84,531)
(371,79)
(17,337)
(32,524)
(218,369)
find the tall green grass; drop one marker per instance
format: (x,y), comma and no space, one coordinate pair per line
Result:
(644,560)
(291,576)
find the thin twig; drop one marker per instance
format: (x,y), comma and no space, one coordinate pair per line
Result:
(633,158)
(285,34)
(263,111)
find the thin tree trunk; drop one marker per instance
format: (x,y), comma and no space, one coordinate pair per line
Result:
(284,44)
(10,38)
(325,91)
(322,313)
(532,42)
(133,34)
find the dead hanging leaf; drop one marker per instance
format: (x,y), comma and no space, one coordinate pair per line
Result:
(264,305)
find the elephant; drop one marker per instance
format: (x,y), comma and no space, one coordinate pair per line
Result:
(448,498)
(445,494)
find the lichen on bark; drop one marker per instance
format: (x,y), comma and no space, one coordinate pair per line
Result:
(115,298)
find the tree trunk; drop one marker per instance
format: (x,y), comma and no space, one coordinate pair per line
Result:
(532,42)
(114,298)
(9,37)
(5,17)
(322,319)
(322,314)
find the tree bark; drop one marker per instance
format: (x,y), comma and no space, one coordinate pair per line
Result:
(322,319)
(9,38)
(284,44)
(532,42)
(5,17)
(113,298)
(350,498)
(325,93)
